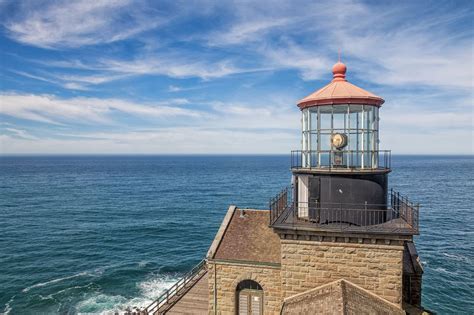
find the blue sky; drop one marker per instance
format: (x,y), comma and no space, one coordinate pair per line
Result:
(146,77)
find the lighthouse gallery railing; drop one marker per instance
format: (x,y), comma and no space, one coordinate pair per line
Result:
(398,215)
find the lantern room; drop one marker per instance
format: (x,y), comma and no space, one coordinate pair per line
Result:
(340,124)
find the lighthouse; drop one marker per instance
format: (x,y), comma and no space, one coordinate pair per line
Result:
(339,207)
(337,240)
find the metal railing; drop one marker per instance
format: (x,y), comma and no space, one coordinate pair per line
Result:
(165,297)
(340,160)
(279,203)
(398,214)
(407,210)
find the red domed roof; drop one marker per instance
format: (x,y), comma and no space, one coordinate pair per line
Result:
(339,91)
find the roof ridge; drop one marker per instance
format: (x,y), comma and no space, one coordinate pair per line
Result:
(335,83)
(220,233)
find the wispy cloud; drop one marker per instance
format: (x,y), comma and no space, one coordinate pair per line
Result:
(70,85)
(20,133)
(392,46)
(246,32)
(78,23)
(174,67)
(54,110)
(292,56)
(171,65)
(175,140)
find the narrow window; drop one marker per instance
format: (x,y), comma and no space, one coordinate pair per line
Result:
(250,298)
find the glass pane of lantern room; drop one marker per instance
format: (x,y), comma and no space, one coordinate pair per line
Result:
(313,119)
(355,143)
(304,128)
(339,118)
(314,134)
(325,117)
(325,131)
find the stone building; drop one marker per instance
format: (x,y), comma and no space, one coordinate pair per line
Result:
(336,241)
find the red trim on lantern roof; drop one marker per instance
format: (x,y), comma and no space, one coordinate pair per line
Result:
(339,91)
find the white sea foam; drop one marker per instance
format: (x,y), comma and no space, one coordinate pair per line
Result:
(52,295)
(99,304)
(105,304)
(443,270)
(457,257)
(42,284)
(142,264)
(153,287)
(7,309)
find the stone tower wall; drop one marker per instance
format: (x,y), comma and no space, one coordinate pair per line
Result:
(309,264)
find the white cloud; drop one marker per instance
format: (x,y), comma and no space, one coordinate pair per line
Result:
(245,32)
(224,127)
(48,78)
(78,23)
(421,54)
(20,133)
(174,65)
(171,65)
(175,140)
(220,140)
(88,79)
(54,110)
(310,65)
(390,44)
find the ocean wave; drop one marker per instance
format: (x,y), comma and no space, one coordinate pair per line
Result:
(443,270)
(105,304)
(100,304)
(52,295)
(457,257)
(42,284)
(7,309)
(143,263)
(153,287)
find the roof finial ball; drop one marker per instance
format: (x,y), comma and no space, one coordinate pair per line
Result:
(339,71)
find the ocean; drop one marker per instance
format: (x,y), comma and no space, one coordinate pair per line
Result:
(93,234)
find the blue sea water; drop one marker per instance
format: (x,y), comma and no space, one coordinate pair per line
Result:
(91,234)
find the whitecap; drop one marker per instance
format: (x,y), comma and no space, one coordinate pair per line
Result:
(154,287)
(100,304)
(104,304)
(52,295)
(457,257)
(42,284)
(142,264)
(443,270)
(7,309)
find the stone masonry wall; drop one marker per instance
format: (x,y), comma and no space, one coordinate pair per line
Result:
(228,277)
(309,264)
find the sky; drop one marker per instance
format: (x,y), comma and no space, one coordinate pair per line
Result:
(224,77)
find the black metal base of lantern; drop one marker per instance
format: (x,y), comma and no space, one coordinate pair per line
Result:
(352,199)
